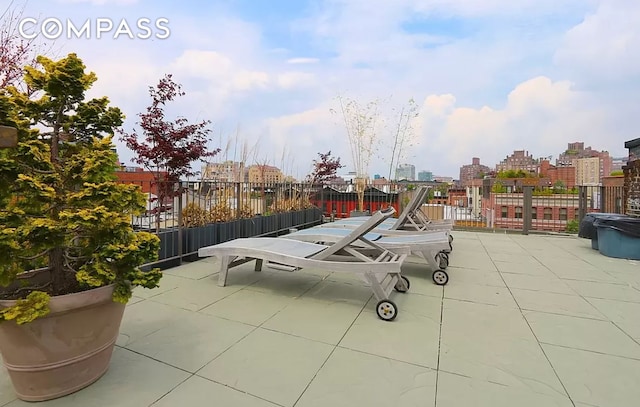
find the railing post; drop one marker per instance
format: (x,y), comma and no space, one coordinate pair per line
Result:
(582,202)
(238,199)
(603,199)
(527,203)
(180,231)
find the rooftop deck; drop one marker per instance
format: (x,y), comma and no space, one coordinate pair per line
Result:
(524,321)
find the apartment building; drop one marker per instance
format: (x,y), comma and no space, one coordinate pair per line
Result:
(264,174)
(519,160)
(227,171)
(588,171)
(473,170)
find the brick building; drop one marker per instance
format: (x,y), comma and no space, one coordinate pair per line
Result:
(577,150)
(565,174)
(519,160)
(264,173)
(548,212)
(472,171)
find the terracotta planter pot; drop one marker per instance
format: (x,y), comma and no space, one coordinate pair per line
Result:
(65,351)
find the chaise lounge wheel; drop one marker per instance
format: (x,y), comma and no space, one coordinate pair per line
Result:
(398,287)
(440,277)
(386,310)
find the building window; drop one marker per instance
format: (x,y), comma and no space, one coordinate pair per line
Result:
(547,213)
(534,213)
(563,214)
(518,212)
(503,212)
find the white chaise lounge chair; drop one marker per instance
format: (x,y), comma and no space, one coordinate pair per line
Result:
(378,266)
(432,247)
(412,219)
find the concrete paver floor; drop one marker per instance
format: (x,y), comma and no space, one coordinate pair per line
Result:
(524,321)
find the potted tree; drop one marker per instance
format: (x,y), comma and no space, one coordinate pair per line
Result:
(70,257)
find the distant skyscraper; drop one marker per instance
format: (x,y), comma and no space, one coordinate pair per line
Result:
(425,176)
(406,172)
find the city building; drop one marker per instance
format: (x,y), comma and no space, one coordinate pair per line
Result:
(264,174)
(406,171)
(577,150)
(519,160)
(473,171)
(441,178)
(617,163)
(567,175)
(425,176)
(227,171)
(549,213)
(588,171)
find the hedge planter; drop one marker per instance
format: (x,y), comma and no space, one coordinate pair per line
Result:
(66,350)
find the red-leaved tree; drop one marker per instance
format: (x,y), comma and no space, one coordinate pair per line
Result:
(324,168)
(167,148)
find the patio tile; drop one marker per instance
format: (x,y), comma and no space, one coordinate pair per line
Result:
(582,333)
(146,317)
(412,337)
(271,365)
(460,276)
(420,278)
(555,303)
(607,291)
(247,306)
(195,295)
(340,292)
(477,261)
(630,278)
(455,391)
(286,284)
(509,252)
(197,391)
(193,270)
(7,393)
(524,268)
(494,344)
(168,282)
(625,314)
(352,378)
(596,379)
(132,380)
(573,273)
(201,338)
(537,283)
(482,294)
(321,321)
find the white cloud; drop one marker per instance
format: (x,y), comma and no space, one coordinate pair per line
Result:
(302,60)
(483,93)
(606,45)
(289,80)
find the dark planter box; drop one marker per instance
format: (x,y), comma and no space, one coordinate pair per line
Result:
(196,237)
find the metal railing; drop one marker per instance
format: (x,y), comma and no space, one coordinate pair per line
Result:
(540,209)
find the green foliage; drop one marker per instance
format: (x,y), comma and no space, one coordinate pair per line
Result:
(498,188)
(616,173)
(60,205)
(514,174)
(26,310)
(559,187)
(572,226)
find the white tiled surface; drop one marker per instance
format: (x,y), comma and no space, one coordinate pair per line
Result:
(524,321)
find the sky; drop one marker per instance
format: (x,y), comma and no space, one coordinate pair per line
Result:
(488,76)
